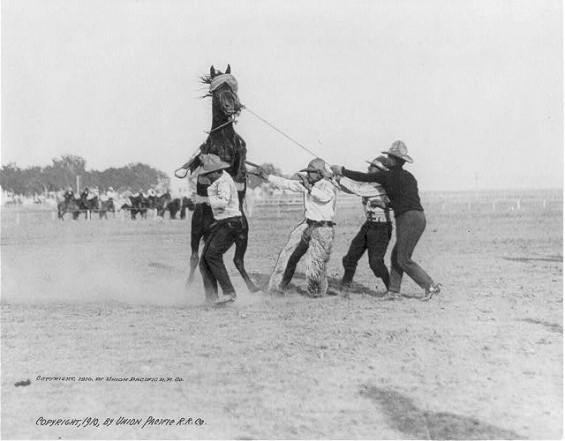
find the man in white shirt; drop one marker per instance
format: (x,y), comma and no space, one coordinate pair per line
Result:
(374,235)
(315,234)
(224,201)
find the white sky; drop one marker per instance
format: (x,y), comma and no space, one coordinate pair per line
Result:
(474,88)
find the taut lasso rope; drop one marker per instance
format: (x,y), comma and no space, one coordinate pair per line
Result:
(302,146)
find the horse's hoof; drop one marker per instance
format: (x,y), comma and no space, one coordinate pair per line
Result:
(253,288)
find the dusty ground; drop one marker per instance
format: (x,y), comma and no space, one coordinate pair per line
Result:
(482,360)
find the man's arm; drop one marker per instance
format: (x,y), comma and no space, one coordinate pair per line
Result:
(323,191)
(286,184)
(221,197)
(363,189)
(378,177)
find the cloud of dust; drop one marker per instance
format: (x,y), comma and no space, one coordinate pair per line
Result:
(76,278)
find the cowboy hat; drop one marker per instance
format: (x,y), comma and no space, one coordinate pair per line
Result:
(398,150)
(211,163)
(317,165)
(379,162)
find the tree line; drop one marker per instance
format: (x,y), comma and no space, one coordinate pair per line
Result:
(63,171)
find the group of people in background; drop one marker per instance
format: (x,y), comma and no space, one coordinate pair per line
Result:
(88,194)
(91,193)
(387,191)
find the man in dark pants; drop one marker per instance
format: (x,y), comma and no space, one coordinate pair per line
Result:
(402,189)
(227,225)
(374,235)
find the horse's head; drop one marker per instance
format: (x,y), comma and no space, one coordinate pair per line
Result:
(223,90)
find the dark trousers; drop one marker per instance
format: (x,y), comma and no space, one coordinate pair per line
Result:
(202,218)
(373,237)
(409,229)
(221,237)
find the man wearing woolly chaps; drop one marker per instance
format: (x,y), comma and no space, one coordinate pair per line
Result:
(313,237)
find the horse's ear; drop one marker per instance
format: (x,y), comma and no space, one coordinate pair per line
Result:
(212,72)
(228,69)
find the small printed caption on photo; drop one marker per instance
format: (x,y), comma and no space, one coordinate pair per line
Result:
(143,422)
(110,379)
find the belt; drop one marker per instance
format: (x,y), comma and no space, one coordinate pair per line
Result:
(315,223)
(379,220)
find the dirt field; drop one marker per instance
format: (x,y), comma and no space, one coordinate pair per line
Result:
(86,299)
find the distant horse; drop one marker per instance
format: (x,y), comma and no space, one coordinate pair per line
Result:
(160,203)
(230,147)
(139,205)
(88,205)
(68,205)
(179,205)
(186,204)
(105,207)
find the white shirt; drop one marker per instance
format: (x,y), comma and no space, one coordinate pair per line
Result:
(222,195)
(319,203)
(374,198)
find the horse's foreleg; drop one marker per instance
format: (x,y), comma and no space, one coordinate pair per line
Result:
(194,259)
(238,259)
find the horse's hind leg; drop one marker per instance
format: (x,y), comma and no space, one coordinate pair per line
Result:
(238,258)
(194,260)
(196,233)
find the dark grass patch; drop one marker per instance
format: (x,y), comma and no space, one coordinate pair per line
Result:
(555,258)
(405,417)
(554,327)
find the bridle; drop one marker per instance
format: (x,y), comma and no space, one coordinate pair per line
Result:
(231,121)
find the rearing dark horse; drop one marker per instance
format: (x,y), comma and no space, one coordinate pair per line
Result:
(230,147)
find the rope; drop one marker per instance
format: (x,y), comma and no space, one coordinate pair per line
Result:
(302,146)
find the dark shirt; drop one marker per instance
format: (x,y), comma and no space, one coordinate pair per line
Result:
(399,184)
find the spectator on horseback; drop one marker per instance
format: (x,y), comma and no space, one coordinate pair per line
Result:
(315,234)
(109,195)
(374,235)
(85,195)
(402,189)
(69,194)
(227,225)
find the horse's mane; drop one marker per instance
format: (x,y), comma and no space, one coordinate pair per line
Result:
(207,80)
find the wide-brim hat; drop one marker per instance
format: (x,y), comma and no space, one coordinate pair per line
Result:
(317,165)
(211,163)
(379,162)
(399,150)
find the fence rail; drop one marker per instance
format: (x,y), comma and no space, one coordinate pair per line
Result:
(280,204)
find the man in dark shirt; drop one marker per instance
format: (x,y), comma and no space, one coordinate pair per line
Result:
(402,190)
